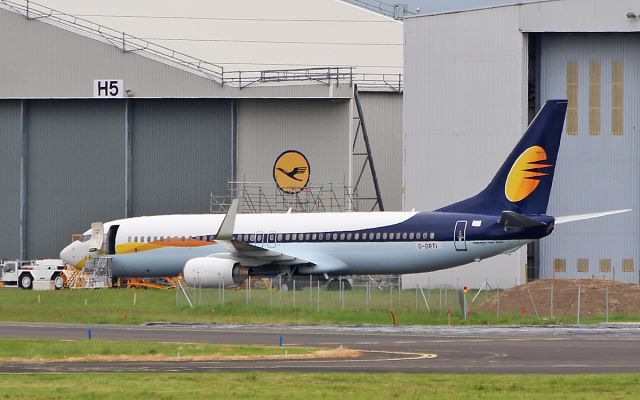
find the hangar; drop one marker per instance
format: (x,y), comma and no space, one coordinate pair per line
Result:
(475,78)
(97,123)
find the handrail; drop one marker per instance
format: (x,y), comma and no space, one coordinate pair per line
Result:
(395,11)
(241,78)
(121,40)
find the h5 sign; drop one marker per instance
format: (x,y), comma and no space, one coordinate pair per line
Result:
(108,88)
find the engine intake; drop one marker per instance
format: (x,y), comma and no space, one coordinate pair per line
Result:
(212,272)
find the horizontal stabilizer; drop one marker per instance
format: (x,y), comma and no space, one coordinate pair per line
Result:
(511,219)
(580,217)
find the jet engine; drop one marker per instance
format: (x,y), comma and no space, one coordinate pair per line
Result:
(212,272)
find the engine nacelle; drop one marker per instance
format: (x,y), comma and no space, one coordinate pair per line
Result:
(212,272)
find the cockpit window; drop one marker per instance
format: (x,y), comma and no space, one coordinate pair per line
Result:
(84,238)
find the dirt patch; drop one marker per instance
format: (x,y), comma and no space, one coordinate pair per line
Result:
(559,297)
(320,354)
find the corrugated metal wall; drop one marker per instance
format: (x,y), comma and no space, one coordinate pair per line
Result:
(317,128)
(181,152)
(383,118)
(465,107)
(75,166)
(10,147)
(594,172)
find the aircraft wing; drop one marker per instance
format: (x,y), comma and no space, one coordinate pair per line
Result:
(580,217)
(250,254)
(246,252)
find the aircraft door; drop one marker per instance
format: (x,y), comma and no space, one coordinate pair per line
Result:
(459,236)
(111,239)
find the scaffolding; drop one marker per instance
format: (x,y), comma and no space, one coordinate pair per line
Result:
(265,197)
(97,273)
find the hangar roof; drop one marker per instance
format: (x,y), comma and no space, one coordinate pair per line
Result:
(256,34)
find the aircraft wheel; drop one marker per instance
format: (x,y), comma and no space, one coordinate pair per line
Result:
(284,287)
(26,281)
(333,285)
(58,282)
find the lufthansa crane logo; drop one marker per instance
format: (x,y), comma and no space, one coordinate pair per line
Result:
(525,174)
(291,171)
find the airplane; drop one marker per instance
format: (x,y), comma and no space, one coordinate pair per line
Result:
(222,250)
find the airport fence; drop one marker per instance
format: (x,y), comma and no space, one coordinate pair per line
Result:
(310,294)
(546,301)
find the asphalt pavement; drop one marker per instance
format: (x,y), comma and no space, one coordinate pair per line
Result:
(550,350)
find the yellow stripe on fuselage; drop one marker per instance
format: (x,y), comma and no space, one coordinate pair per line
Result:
(136,247)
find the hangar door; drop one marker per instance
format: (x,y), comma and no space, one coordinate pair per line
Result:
(597,167)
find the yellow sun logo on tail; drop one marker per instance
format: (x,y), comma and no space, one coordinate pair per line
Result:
(524,175)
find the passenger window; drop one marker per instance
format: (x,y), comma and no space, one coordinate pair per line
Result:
(322,236)
(279,237)
(378,236)
(129,238)
(307,237)
(411,235)
(356,236)
(433,235)
(364,236)
(287,237)
(392,236)
(404,236)
(384,236)
(349,236)
(335,236)
(342,236)
(314,236)
(253,237)
(259,238)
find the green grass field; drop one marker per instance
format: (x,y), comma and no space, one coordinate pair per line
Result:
(136,306)
(344,386)
(60,349)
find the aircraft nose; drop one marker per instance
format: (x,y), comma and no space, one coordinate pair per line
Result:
(68,254)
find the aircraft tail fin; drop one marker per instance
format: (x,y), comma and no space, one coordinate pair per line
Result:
(523,183)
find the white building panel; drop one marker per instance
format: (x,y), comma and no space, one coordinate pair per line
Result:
(256,34)
(465,107)
(579,16)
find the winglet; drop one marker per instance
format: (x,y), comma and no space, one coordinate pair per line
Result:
(226,228)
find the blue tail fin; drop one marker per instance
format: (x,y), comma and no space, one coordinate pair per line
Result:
(523,183)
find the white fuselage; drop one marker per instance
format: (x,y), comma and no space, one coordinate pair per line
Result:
(329,243)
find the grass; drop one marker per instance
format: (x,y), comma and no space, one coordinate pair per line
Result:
(60,349)
(136,306)
(316,385)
